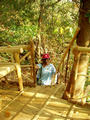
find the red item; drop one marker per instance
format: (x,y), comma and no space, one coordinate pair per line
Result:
(45,56)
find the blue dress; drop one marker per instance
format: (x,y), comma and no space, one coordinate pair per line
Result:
(45,74)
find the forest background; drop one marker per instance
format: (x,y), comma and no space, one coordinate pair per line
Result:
(50,24)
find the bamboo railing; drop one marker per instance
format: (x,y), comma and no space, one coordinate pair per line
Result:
(68,48)
(80,50)
(66,52)
(8,67)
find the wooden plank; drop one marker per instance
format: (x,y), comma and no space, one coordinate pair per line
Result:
(45,104)
(26,107)
(67,115)
(32,94)
(6,69)
(11,101)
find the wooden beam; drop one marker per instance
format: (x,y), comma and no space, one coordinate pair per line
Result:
(81,49)
(83,75)
(27,54)
(14,49)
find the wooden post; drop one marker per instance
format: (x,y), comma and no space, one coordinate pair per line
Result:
(77,57)
(18,68)
(33,61)
(67,67)
(0,102)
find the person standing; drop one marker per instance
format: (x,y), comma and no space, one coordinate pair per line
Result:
(46,71)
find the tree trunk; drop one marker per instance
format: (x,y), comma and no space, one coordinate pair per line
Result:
(75,87)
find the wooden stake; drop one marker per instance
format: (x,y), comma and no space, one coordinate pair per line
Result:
(18,68)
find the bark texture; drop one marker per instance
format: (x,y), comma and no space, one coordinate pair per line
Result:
(75,87)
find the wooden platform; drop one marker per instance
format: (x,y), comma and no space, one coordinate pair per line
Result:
(5,69)
(40,103)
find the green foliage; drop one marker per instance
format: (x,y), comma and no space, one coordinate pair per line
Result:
(19,20)
(15,23)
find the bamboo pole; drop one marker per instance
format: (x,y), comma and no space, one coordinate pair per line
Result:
(33,61)
(77,59)
(81,49)
(13,61)
(27,54)
(11,49)
(14,49)
(83,75)
(67,66)
(24,66)
(68,113)
(18,68)
(70,45)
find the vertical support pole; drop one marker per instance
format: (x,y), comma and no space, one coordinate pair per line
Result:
(0,102)
(77,58)
(18,68)
(67,66)
(31,48)
(13,61)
